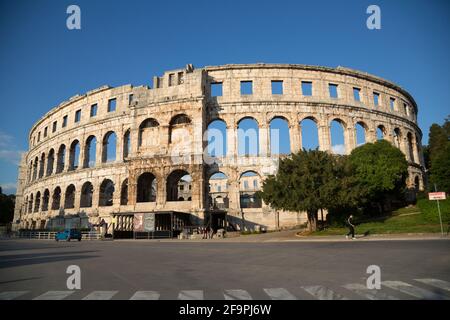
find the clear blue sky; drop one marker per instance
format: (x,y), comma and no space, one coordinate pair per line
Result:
(43,63)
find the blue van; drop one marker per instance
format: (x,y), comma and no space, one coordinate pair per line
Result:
(68,234)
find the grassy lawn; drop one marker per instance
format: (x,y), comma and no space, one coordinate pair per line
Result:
(422,218)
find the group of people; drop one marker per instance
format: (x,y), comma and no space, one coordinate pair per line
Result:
(206,232)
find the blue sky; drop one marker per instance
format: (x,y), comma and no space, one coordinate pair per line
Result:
(43,63)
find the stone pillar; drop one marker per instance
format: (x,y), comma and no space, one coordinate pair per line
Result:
(231,141)
(119,146)
(349,138)
(324,138)
(77,198)
(295,137)
(416,150)
(99,150)
(82,152)
(264,140)
(67,158)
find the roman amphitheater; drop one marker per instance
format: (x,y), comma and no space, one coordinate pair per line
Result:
(112,155)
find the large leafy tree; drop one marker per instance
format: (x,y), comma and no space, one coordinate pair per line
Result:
(438,156)
(6,207)
(378,169)
(306,181)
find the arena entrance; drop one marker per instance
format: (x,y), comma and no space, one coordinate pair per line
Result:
(216,220)
(149,225)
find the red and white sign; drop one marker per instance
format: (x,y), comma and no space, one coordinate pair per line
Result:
(436,196)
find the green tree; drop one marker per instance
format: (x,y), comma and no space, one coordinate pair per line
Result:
(6,207)
(438,155)
(440,169)
(378,169)
(307,181)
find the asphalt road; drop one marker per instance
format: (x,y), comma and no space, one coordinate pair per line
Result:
(218,270)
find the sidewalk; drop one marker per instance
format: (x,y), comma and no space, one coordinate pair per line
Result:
(291,236)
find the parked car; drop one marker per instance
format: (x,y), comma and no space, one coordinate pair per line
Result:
(68,234)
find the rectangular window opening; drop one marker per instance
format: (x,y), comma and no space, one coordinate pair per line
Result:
(112,105)
(64,124)
(45,132)
(246,87)
(171,79)
(216,89)
(356,94)
(55,125)
(333,88)
(392,103)
(376,99)
(277,87)
(93,110)
(307,88)
(77,116)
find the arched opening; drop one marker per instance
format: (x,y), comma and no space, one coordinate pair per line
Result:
(179,129)
(61,159)
(410,147)
(74,156)
(148,133)
(41,166)
(69,202)
(179,186)
(397,137)
(56,199)
(124,193)
(30,204)
(416,184)
(45,200)
(337,137)
(146,188)
(37,202)
(217,138)
(87,191)
(126,144)
(109,147)
(35,168)
(249,185)
(310,134)
(381,132)
(280,142)
(50,162)
(360,129)
(106,193)
(218,191)
(248,137)
(90,154)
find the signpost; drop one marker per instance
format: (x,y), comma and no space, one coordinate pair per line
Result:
(438,196)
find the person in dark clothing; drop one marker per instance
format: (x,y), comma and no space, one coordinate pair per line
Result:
(351,227)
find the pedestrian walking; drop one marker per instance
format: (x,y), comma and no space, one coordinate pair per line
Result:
(351,227)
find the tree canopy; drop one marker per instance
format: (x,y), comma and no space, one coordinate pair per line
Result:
(313,180)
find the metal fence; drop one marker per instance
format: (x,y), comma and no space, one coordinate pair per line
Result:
(43,235)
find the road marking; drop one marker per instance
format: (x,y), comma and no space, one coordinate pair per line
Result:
(145,295)
(371,294)
(279,294)
(237,295)
(436,283)
(10,295)
(412,290)
(191,295)
(100,295)
(323,293)
(54,295)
